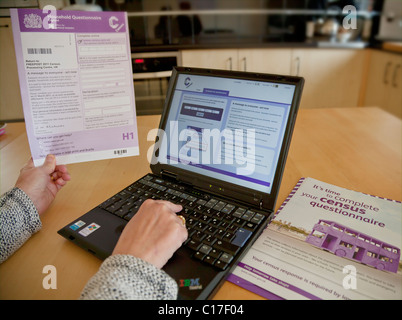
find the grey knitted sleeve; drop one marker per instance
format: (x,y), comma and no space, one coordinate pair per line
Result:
(124,277)
(119,277)
(19,219)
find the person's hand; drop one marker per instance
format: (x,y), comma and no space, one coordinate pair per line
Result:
(41,184)
(154,233)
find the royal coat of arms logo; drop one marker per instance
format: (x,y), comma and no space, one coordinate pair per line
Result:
(32,21)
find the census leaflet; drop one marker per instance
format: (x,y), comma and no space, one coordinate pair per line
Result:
(327,242)
(76,84)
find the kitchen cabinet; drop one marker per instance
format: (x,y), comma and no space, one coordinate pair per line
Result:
(276,61)
(254,60)
(333,76)
(225,59)
(384,84)
(10,96)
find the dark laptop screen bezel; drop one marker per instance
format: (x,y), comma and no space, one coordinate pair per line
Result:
(219,187)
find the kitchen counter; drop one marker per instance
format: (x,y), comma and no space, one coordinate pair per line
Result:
(363,155)
(392,46)
(222,42)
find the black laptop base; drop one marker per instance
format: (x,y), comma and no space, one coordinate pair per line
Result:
(217,238)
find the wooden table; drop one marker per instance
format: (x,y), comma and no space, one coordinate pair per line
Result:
(355,148)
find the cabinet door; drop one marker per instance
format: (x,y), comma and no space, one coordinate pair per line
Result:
(10,96)
(378,79)
(213,59)
(384,83)
(394,99)
(275,61)
(333,76)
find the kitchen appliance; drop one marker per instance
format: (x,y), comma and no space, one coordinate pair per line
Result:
(391,21)
(151,74)
(330,28)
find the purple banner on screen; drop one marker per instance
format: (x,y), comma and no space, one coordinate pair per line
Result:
(225,172)
(216,92)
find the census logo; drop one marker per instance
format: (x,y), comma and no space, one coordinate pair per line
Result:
(114,23)
(187,82)
(32,21)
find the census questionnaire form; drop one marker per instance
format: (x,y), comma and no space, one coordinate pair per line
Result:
(76,84)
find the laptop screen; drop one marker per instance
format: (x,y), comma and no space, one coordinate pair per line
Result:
(229,129)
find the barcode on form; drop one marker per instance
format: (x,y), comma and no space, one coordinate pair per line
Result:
(39,50)
(122,151)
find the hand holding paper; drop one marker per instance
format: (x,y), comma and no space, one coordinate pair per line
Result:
(41,184)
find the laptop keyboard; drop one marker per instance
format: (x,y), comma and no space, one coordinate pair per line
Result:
(217,229)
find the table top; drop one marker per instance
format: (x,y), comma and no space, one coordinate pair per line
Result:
(354,148)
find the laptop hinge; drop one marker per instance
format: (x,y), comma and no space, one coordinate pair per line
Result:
(172,176)
(168,174)
(261,204)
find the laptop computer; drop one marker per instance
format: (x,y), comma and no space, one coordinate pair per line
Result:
(220,153)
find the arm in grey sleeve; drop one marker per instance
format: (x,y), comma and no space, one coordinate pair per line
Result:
(124,277)
(19,219)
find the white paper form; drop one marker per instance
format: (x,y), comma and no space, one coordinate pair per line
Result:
(76,84)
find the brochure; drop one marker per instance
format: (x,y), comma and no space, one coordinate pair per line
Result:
(327,242)
(76,84)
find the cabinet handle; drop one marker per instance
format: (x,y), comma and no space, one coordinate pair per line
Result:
(4,26)
(385,78)
(245,63)
(230,63)
(297,66)
(394,83)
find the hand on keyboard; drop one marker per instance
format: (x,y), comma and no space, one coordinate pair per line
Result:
(154,233)
(216,229)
